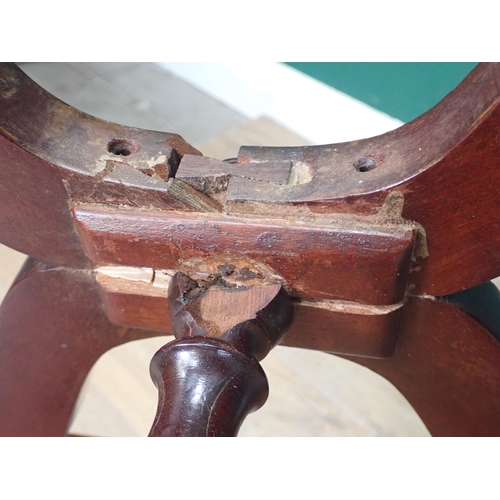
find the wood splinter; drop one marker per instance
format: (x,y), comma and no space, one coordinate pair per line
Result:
(209,378)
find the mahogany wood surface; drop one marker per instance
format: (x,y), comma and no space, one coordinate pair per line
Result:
(54,155)
(327,261)
(52,330)
(364,235)
(209,379)
(251,317)
(445,163)
(206,388)
(343,328)
(447,366)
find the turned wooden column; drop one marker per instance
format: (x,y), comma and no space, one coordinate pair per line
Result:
(372,257)
(209,379)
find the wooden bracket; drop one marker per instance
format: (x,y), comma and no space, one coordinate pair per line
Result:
(357,261)
(347,275)
(365,237)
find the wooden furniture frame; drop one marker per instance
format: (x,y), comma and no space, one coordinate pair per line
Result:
(375,240)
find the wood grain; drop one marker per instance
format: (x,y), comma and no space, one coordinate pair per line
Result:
(52,330)
(442,167)
(368,264)
(209,379)
(206,388)
(54,155)
(445,163)
(446,365)
(332,326)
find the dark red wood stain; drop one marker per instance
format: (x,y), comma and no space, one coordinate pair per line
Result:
(390,220)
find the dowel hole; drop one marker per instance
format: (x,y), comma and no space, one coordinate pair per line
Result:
(365,164)
(123,147)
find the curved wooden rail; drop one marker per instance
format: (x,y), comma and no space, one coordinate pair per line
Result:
(209,379)
(427,190)
(52,331)
(446,163)
(447,366)
(53,156)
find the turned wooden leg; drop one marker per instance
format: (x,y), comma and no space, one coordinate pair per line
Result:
(52,330)
(209,379)
(448,367)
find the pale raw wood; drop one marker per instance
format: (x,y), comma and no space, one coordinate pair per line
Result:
(10,264)
(311,393)
(192,198)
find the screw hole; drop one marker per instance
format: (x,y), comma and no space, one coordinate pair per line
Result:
(365,164)
(123,147)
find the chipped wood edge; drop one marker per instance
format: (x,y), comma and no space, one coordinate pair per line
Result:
(148,282)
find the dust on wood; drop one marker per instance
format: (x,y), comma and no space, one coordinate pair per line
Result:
(191,197)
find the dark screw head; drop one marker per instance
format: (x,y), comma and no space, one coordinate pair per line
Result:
(364,164)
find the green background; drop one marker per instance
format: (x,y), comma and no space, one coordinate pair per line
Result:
(402,90)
